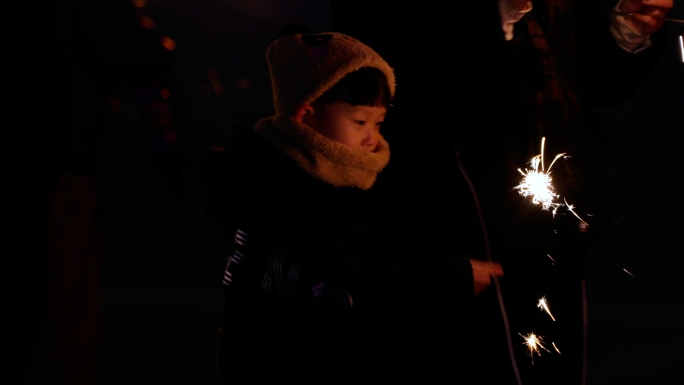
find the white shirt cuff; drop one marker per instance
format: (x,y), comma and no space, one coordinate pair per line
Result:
(627,38)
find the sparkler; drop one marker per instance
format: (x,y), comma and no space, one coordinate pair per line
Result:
(534,343)
(544,306)
(628,272)
(571,208)
(631,14)
(537,184)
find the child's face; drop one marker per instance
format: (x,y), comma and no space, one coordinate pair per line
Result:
(355,126)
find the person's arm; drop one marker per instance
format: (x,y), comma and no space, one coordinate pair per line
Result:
(613,73)
(633,22)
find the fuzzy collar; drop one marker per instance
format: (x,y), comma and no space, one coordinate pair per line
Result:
(324,159)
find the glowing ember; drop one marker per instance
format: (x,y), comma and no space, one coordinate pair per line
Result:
(550,257)
(628,272)
(544,306)
(534,343)
(556,347)
(571,208)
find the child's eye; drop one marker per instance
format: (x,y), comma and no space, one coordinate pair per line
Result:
(360,122)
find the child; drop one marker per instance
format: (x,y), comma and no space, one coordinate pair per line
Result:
(309,296)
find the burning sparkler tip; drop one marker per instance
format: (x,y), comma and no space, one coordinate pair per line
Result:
(545,307)
(537,184)
(629,273)
(534,343)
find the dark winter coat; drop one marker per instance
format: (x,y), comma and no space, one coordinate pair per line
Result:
(310,293)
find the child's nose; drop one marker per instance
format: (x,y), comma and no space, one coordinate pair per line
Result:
(371,141)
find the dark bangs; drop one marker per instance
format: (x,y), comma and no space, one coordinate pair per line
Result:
(364,87)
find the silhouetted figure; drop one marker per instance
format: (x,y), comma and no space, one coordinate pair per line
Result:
(485,89)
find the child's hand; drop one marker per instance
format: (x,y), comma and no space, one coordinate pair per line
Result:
(483,272)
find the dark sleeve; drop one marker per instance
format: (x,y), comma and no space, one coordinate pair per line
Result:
(423,234)
(612,74)
(441,284)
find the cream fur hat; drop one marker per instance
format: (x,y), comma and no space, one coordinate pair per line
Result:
(304,66)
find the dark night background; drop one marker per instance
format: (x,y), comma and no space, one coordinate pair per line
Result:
(161,261)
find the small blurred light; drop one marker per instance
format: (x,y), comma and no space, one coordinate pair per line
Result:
(168,43)
(147,22)
(242,84)
(165,93)
(583,226)
(139,3)
(115,104)
(169,136)
(203,88)
(214,80)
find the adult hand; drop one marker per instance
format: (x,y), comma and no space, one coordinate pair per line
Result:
(483,272)
(645,16)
